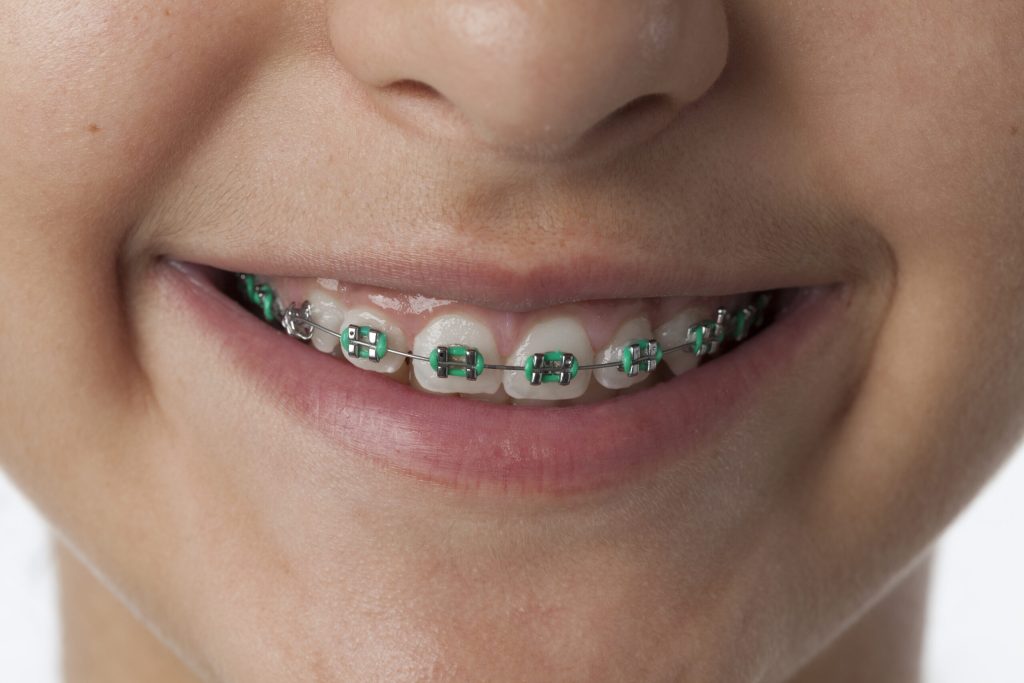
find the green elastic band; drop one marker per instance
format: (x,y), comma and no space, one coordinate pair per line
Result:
(742,319)
(627,358)
(552,375)
(458,354)
(249,282)
(266,301)
(381,347)
(627,353)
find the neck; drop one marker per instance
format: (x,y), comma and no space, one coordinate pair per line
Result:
(884,646)
(103,642)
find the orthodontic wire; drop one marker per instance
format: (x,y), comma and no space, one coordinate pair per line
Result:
(703,338)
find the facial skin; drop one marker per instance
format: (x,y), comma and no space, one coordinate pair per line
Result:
(872,143)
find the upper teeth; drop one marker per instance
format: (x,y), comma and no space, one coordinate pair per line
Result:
(554,339)
(325,311)
(676,329)
(445,331)
(457,352)
(618,378)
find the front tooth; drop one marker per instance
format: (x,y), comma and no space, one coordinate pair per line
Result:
(645,384)
(595,393)
(498,397)
(456,330)
(324,310)
(673,333)
(614,378)
(561,334)
(390,363)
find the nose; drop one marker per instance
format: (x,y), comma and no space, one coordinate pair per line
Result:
(536,74)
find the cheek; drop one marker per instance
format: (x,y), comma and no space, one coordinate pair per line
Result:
(915,112)
(99,97)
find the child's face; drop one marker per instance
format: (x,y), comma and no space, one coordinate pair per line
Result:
(275,512)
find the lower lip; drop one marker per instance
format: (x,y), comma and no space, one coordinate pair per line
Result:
(471,445)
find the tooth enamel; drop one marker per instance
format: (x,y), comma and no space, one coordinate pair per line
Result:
(327,312)
(561,334)
(391,363)
(537,402)
(456,330)
(498,396)
(595,392)
(613,378)
(673,333)
(647,383)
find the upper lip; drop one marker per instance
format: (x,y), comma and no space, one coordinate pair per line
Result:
(533,249)
(493,277)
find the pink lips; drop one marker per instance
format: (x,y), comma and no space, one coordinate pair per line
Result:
(474,445)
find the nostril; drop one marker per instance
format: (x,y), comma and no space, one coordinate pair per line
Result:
(638,118)
(647,112)
(640,106)
(413,89)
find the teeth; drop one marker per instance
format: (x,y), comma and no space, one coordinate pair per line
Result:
(594,393)
(613,378)
(450,330)
(390,364)
(673,333)
(646,383)
(325,311)
(461,330)
(498,396)
(544,403)
(561,334)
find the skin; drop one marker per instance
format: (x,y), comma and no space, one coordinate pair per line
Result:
(874,143)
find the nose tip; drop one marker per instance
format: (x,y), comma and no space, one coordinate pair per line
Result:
(533,73)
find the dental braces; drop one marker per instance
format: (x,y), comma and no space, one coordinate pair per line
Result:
(704,338)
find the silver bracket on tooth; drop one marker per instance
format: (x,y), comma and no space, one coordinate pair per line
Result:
(447,362)
(542,366)
(643,356)
(722,319)
(296,321)
(707,336)
(745,321)
(366,343)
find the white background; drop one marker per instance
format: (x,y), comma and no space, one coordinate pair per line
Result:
(975,635)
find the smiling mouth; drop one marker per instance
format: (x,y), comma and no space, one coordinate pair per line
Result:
(364,399)
(571,354)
